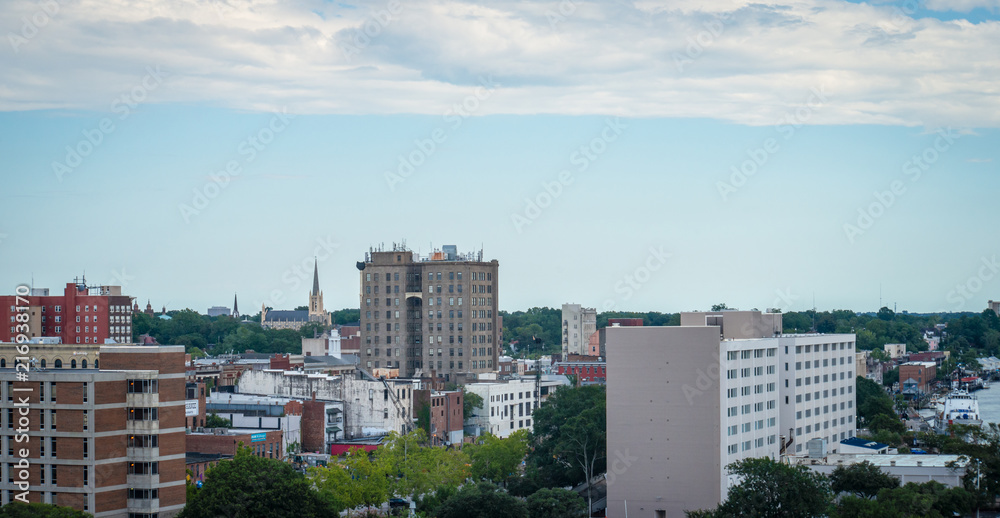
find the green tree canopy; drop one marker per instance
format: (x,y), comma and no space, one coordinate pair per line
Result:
(495,459)
(482,500)
(249,486)
(772,489)
(863,479)
(556,503)
(569,436)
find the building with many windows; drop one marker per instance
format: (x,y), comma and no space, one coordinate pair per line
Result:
(578,324)
(107,441)
(507,407)
(433,316)
(685,402)
(81,315)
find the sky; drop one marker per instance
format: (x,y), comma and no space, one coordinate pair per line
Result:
(635,156)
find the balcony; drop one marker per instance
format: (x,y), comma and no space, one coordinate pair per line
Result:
(143,505)
(142,427)
(143,481)
(143,454)
(142,400)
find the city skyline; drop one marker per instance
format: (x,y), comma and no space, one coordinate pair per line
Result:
(659,157)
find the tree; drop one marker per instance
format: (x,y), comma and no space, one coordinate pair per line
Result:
(214,421)
(719,307)
(470,403)
(495,459)
(553,450)
(583,443)
(770,489)
(862,479)
(556,503)
(482,500)
(22,510)
(249,486)
(886,422)
(886,314)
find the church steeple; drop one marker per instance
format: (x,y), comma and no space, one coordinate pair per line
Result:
(316,311)
(236,308)
(315,290)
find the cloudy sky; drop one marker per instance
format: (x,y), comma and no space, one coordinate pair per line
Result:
(631,155)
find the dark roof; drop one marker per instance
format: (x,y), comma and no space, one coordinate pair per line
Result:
(192,457)
(346,359)
(287,315)
(863,443)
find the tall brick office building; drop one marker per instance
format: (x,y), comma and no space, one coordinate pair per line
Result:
(110,442)
(435,316)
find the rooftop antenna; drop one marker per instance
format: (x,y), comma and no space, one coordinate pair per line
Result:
(880,295)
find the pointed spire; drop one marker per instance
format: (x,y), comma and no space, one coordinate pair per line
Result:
(236,307)
(315,290)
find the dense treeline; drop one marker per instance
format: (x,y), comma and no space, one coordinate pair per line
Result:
(216,335)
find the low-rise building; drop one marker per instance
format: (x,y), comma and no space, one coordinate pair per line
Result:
(369,406)
(857,445)
(506,408)
(445,413)
(226,441)
(917,376)
(895,350)
(586,372)
(919,469)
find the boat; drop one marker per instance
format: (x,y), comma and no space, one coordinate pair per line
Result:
(960,407)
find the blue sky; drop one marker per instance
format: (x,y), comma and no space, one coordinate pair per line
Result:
(624,121)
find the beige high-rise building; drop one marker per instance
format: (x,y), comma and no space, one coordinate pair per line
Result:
(433,316)
(578,324)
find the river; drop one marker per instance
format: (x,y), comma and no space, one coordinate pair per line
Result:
(989,403)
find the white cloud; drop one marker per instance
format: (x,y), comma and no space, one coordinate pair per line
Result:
(962,6)
(747,63)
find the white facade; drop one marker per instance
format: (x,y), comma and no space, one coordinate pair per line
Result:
(326,345)
(749,407)
(945,469)
(817,388)
(506,408)
(369,407)
(578,323)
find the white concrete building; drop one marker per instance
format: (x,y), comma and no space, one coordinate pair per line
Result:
(945,469)
(578,323)
(506,408)
(371,407)
(724,386)
(818,379)
(263,413)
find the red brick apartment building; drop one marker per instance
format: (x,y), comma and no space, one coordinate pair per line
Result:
(107,441)
(81,315)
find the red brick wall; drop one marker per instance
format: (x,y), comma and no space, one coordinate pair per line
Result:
(313,426)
